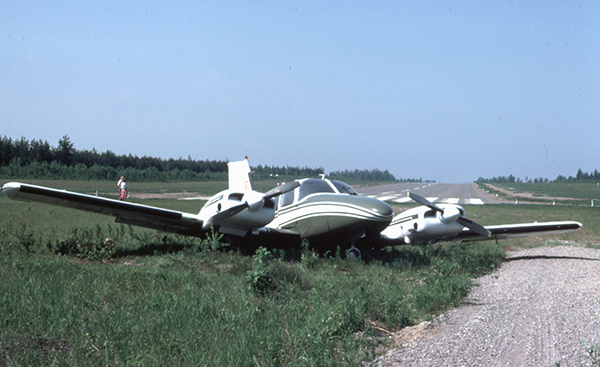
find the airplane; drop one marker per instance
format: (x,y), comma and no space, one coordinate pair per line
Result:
(327,213)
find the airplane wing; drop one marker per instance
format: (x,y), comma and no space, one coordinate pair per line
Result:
(519,230)
(496,232)
(125,212)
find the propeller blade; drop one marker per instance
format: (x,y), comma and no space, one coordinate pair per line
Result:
(477,228)
(225,214)
(279,190)
(421,200)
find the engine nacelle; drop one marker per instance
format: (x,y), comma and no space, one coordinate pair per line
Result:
(423,224)
(451,214)
(256,213)
(248,220)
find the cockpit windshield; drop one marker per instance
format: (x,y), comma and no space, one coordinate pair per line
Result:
(312,186)
(343,187)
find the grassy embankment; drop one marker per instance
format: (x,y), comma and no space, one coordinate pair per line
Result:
(160,300)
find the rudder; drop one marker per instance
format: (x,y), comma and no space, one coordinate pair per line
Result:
(240,176)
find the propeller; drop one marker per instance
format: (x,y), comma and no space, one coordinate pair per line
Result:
(256,203)
(421,200)
(225,214)
(477,228)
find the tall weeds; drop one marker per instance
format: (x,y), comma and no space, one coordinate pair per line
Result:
(70,297)
(213,308)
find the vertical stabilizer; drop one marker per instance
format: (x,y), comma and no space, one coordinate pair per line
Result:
(240,176)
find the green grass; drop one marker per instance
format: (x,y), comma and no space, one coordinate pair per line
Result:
(208,188)
(109,187)
(156,299)
(201,309)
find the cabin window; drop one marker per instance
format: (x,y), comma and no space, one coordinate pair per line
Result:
(236,196)
(312,186)
(343,187)
(429,214)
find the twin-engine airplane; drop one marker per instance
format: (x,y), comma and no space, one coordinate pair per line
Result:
(328,213)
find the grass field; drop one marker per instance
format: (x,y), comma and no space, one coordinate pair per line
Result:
(110,188)
(155,299)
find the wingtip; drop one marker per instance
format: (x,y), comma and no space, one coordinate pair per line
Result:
(11,188)
(9,185)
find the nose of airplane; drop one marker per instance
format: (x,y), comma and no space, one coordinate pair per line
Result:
(379,209)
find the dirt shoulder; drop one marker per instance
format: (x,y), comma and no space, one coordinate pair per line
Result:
(482,193)
(540,308)
(524,195)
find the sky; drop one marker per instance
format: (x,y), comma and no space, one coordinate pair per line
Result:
(441,90)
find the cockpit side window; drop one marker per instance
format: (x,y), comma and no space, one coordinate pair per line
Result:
(343,187)
(312,186)
(287,198)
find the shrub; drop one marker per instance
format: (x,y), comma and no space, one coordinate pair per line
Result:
(259,278)
(85,244)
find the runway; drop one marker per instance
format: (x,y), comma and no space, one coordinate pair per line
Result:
(462,194)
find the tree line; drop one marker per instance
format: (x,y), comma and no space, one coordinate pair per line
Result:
(37,159)
(364,175)
(288,172)
(579,177)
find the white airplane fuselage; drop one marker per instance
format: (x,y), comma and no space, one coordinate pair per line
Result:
(321,208)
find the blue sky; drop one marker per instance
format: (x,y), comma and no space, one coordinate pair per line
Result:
(443,90)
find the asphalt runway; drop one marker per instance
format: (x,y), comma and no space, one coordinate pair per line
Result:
(462,194)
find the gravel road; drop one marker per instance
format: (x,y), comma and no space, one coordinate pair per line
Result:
(540,308)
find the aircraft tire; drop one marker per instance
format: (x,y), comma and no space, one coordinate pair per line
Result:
(353,253)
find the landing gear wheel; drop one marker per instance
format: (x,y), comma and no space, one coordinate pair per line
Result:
(353,253)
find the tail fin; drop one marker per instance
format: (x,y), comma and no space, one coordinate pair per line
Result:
(240,176)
